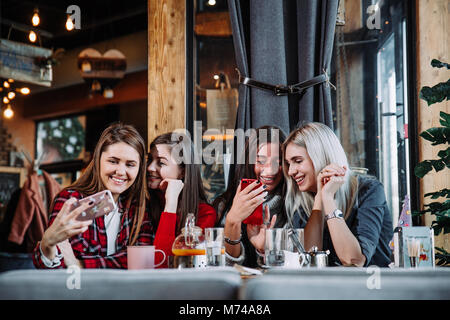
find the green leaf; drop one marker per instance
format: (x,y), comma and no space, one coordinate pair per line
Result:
(437,135)
(422,168)
(437,230)
(442,250)
(445,156)
(445,119)
(436,94)
(438,165)
(435,63)
(441,193)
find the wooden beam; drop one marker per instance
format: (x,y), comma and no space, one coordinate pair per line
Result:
(432,42)
(74,99)
(166,66)
(213,24)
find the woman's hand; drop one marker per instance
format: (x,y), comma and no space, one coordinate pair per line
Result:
(245,201)
(172,189)
(257,234)
(64,227)
(331,172)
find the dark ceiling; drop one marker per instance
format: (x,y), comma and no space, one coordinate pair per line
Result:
(100,20)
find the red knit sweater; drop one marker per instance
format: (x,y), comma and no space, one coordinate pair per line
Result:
(165,234)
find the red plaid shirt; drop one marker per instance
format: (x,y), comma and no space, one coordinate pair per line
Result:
(90,247)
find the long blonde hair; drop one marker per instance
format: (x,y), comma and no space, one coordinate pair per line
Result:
(324,148)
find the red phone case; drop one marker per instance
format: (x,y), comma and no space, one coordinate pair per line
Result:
(256,218)
(103,204)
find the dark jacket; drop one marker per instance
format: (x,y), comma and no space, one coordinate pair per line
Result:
(370,221)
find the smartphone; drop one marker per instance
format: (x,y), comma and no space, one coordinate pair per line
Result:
(256,218)
(103,204)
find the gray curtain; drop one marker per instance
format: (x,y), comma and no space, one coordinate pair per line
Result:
(283,43)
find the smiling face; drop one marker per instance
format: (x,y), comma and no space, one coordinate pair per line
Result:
(301,168)
(268,165)
(119,167)
(162,166)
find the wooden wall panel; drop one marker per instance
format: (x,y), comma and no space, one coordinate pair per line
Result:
(433,18)
(74,99)
(166,66)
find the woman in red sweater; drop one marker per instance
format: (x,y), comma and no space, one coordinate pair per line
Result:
(176,189)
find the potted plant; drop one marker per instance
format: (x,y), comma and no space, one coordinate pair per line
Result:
(437,136)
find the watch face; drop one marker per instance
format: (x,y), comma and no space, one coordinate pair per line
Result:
(335,214)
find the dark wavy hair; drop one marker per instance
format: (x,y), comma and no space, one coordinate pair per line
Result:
(192,193)
(246,169)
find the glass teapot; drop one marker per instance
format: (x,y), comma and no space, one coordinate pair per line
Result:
(190,241)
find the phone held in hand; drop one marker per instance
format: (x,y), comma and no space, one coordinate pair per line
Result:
(256,218)
(103,204)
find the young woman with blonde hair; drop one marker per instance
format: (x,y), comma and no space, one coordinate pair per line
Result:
(345,213)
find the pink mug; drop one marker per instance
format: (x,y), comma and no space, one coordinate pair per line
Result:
(143,257)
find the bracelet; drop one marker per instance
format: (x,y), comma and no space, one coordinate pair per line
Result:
(233,242)
(259,253)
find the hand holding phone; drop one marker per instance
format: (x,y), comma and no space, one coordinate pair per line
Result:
(256,218)
(103,204)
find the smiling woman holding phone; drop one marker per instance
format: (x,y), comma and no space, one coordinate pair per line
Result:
(261,162)
(118,165)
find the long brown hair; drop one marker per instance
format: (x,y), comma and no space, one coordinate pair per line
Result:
(245,168)
(90,181)
(193,192)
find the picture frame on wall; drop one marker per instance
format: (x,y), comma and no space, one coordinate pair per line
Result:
(11,180)
(61,139)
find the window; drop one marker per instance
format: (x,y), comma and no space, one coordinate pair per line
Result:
(370,105)
(371,101)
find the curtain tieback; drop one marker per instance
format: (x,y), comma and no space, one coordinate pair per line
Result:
(282,90)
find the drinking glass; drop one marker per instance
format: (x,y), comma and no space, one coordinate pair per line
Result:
(215,247)
(274,246)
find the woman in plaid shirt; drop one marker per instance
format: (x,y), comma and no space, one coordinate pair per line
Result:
(118,165)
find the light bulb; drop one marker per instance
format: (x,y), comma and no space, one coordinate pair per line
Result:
(108,93)
(212,2)
(8,113)
(5,100)
(69,24)
(32,36)
(86,66)
(216,77)
(35,20)
(96,86)
(25,90)
(11,95)
(6,84)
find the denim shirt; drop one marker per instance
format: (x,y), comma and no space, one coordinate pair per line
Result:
(370,221)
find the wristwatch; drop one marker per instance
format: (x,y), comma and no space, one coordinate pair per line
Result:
(335,214)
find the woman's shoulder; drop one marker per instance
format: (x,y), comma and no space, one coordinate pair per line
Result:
(370,191)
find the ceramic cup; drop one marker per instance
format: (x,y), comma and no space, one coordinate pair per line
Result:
(143,257)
